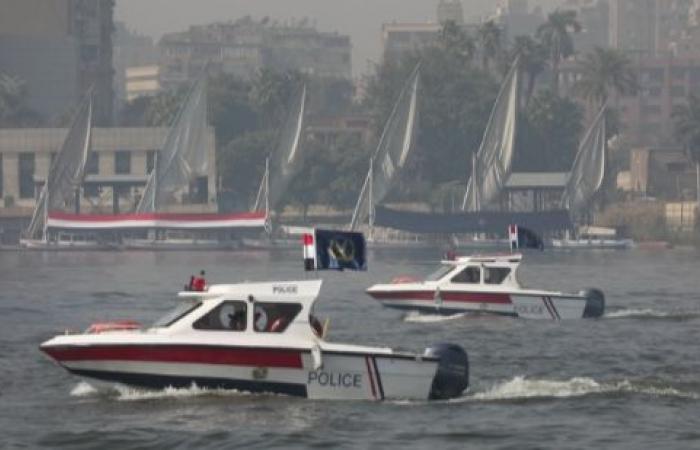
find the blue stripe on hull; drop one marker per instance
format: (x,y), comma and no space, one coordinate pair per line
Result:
(154,381)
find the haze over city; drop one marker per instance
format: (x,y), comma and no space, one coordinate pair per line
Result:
(361,19)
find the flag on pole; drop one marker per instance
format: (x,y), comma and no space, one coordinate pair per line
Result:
(334,250)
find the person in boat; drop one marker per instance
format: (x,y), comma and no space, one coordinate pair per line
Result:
(199,283)
(238,320)
(190,286)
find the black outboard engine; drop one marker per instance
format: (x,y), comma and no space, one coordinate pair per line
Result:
(595,303)
(452,375)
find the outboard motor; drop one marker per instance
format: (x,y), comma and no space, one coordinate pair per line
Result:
(452,375)
(595,303)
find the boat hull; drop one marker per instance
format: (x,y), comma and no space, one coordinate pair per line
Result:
(179,244)
(528,305)
(342,375)
(40,245)
(593,244)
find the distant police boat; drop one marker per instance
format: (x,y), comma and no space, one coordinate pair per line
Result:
(261,337)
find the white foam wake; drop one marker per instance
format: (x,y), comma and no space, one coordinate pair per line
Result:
(416,317)
(83,389)
(523,388)
(643,312)
(126,393)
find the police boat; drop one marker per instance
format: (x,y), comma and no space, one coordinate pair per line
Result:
(486,285)
(256,337)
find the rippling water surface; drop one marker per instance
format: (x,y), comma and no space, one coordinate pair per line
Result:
(629,380)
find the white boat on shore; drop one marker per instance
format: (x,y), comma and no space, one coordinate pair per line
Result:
(256,337)
(486,285)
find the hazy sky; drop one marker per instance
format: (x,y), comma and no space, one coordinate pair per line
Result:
(361,19)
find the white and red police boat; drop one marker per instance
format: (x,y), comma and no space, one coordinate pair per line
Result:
(256,337)
(486,285)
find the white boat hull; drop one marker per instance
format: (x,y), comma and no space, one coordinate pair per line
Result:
(528,305)
(592,244)
(37,244)
(179,244)
(342,375)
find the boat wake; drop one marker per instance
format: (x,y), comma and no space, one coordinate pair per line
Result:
(127,393)
(415,317)
(648,313)
(524,388)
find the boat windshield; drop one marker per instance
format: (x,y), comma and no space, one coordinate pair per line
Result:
(439,273)
(176,313)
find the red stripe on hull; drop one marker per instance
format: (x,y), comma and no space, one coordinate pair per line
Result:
(403,295)
(59,215)
(180,354)
(466,297)
(476,297)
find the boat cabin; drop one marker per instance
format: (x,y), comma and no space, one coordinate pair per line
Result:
(248,308)
(486,271)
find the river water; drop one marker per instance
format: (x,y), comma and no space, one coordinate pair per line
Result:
(629,380)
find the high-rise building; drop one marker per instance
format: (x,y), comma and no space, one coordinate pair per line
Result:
(450,11)
(131,50)
(242,47)
(60,48)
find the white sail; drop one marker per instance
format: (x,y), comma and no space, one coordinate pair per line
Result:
(492,165)
(285,162)
(66,173)
(184,155)
(392,151)
(588,170)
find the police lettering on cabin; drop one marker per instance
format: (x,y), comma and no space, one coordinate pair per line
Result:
(335,380)
(285,289)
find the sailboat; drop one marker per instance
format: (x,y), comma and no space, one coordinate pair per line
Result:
(584,181)
(389,158)
(61,189)
(161,219)
(491,165)
(281,166)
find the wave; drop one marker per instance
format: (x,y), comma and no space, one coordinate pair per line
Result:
(83,389)
(523,388)
(127,393)
(649,313)
(416,317)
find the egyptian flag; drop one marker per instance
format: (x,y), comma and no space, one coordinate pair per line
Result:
(335,250)
(521,237)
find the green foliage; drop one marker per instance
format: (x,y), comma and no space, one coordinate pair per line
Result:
(687,126)
(604,71)
(549,134)
(533,57)
(271,92)
(231,112)
(555,36)
(14,111)
(489,42)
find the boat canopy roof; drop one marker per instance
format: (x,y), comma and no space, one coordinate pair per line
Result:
(303,292)
(495,258)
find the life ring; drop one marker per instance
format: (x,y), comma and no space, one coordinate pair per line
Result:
(278,325)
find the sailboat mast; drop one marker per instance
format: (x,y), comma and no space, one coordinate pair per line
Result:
(370,198)
(267,192)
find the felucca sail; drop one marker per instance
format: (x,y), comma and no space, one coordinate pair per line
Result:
(285,162)
(492,163)
(183,156)
(391,153)
(66,173)
(588,170)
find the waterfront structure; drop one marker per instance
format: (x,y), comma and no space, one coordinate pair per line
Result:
(246,45)
(60,48)
(117,168)
(517,19)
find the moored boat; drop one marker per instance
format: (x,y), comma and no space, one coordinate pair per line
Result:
(486,285)
(256,337)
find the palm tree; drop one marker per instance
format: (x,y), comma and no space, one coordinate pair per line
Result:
(457,41)
(14,111)
(488,37)
(532,60)
(555,35)
(602,72)
(687,127)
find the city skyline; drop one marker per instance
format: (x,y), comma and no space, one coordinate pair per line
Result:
(329,15)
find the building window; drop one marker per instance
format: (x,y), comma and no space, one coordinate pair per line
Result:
(26,175)
(651,109)
(150,161)
(92,165)
(677,91)
(1,180)
(122,162)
